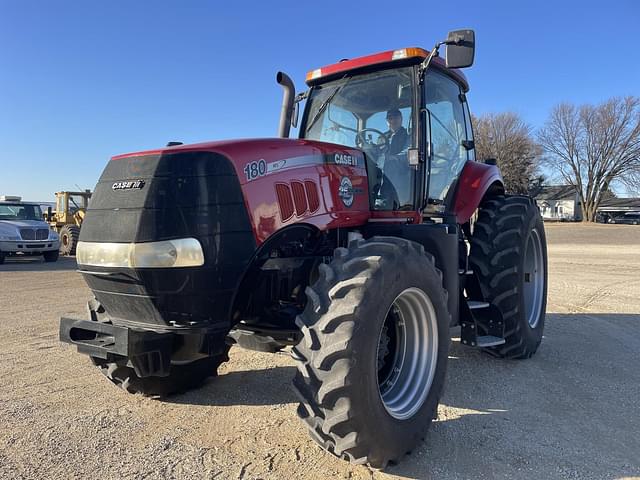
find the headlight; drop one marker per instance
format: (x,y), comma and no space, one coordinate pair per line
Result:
(11,238)
(53,235)
(184,252)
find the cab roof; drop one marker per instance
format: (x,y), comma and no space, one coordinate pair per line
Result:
(403,56)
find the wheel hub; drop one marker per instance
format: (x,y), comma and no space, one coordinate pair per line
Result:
(407,353)
(533,279)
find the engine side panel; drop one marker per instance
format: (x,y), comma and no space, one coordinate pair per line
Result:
(291,181)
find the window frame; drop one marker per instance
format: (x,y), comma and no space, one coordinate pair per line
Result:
(429,147)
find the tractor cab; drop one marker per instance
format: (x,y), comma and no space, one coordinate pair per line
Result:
(71,206)
(374,112)
(412,123)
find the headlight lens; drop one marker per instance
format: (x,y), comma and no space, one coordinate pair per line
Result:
(53,235)
(183,252)
(11,238)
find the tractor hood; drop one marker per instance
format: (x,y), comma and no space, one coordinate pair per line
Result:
(226,198)
(285,152)
(285,181)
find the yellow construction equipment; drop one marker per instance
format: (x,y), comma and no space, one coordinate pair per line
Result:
(67,218)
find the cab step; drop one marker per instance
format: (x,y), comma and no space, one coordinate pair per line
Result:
(483,313)
(462,271)
(476,305)
(489,341)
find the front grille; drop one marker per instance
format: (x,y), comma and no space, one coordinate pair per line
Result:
(186,194)
(28,233)
(34,233)
(35,245)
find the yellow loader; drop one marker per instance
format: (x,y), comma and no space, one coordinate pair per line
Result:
(67,218)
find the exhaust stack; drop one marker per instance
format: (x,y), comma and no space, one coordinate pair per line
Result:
(287,103)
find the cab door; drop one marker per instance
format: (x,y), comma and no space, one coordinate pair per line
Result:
(61,208)
(447,135)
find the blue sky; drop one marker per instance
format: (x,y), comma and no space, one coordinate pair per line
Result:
(82,81)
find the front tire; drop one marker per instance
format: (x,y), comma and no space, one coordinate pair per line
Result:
(182,378)
(51,256)
(69,235)
(372,361)
(509,256)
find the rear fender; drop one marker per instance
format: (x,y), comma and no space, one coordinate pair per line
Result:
(477,179)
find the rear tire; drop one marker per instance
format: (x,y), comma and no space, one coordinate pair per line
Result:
(509,257)
(372,361)
(51,256)
(69,235)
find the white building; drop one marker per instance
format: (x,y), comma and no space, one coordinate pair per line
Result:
(559,203)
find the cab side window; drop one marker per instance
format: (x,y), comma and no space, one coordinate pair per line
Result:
(60,204)
(448,131)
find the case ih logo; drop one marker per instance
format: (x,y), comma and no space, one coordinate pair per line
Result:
(345,191)
(128,185)
(345,159)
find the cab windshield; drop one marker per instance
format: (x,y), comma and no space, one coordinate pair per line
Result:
(11,211)
(372,112)
(76,202)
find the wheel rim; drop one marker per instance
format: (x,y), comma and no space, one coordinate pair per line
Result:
(407,353)
(533,279)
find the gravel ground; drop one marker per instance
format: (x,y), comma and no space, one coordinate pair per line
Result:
(572,411)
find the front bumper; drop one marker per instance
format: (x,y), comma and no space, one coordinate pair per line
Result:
(149,353)
(29,246)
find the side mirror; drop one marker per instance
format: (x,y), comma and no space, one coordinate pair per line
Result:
(461,46)
(295,114)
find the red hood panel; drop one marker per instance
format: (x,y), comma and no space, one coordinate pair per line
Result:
(267,148)
(286,181)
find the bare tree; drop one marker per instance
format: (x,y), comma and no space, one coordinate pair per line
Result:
(631,181)
(592,146)
(508,139)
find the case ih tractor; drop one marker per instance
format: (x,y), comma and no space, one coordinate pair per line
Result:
(360,244)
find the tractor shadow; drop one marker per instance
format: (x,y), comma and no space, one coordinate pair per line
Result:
(37,264)
(570,411)
(268,386)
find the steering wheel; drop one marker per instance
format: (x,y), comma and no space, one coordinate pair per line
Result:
(362,142)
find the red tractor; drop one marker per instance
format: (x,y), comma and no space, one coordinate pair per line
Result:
(360,244)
